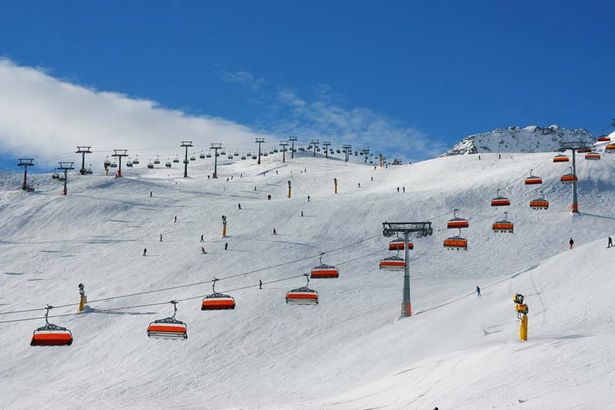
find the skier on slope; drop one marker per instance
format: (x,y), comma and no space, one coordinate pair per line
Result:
(160,237)
(477,291)
(203,251)
(571,243)
(144,251)
(226,246)
(610,244)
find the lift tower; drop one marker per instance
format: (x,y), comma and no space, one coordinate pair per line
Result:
(314,144)
(326,144)
(186,144)
(119,153)
(25,163)
(283,145)
(292,141)
(347,150)
(574,146)
(421,230)
(259,141)
(83,149)
(65,166)
(215,146)
(365,151)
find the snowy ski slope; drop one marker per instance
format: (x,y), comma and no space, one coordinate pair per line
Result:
(348,352)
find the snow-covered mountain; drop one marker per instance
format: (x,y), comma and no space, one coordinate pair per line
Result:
(351,350)
(517,139)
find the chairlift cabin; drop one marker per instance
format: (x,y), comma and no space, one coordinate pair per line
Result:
(592,156)
(208,155)
(398,244)
(457,222)
(253,156)
(202,155)
(150,165)
(176,160)
(222,152)
(610,148)
(568,178)
(265,154)
(456,242)
(539,203)
(107,163)
(168,164)
(503,225)
(500,200)
(236,154)
(394,263)
(324,271)
(216,300)
(230,156)
(50,334)
(168,328)
(129,164)
(113,164)
(157,161)
(603,138)
(135,161)
(243,157)
(561,158)
(584,150)
(532,179)
(55,175)
(303,295)
(275,151)
(193,157)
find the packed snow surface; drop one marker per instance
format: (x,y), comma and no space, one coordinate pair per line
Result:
(350,351)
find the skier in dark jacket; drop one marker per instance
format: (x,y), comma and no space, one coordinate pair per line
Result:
(571,243)
(203,251)
(477,291)
(610,245)
(144,251)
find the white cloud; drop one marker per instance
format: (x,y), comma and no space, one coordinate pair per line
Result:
(245,78)
(326,119)
(45,117)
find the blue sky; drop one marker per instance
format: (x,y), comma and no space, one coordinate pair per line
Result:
(439,70)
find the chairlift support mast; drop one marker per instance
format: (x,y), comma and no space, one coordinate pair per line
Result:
(574,146)
(326,144)
(25,163)
(215,146)
(83,149)
(292,141)
(259,141)
(186,145)
(65,166)
(283,145)
(420,229)
(314,144)
(365,151)
(347,150)
(119,153)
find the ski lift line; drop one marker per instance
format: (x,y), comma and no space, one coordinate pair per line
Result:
(195,283)
(151,304)
(179,299)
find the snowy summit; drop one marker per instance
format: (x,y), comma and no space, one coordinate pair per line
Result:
(516,139)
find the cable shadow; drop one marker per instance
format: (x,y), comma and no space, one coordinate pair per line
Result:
(115,312)
(599,216)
